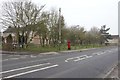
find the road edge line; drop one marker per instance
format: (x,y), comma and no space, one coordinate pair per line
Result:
(108,73)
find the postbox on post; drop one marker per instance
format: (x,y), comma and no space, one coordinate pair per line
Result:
(68,44)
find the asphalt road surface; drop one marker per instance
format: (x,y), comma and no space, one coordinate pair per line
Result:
(93,63)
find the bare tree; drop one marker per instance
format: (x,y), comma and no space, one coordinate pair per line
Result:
(42,28)
(53,26)
(21,15)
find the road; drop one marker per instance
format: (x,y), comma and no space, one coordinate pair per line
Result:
(93,63)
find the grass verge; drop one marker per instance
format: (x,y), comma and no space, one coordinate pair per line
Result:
(63,47)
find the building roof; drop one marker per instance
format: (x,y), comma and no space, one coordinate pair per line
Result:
(13,30)
(9,30)
(115,36)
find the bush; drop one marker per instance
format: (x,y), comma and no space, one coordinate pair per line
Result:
(8,46)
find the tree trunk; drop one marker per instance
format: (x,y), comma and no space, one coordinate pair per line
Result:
(43,40)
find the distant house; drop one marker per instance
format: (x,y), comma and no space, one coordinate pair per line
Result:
(36,40)
(10,30)
(114,39)
(7,32)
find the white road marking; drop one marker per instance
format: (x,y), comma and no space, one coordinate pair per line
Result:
(70,59)
(23,57)
(83,58)
(95,53)
(14,55)
(89,56)
(33,56)
(23,68)
(10,55)
(17,55)
(110,71)
(13,58)
(98,53)
(5,60)
(104,52)
(31,71)
(33,61)
(78,57)
(49,53)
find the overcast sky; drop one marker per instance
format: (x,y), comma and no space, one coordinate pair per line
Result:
(86,13)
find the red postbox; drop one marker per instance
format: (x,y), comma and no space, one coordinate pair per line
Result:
(68,43)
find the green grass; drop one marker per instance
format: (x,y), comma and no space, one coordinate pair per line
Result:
(63,47)
(0,46)
(40,49)
(34,48)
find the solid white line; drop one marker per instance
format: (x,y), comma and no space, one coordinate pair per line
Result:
(31,71)
(23,68)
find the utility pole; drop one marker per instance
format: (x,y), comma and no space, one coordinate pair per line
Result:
(59,27)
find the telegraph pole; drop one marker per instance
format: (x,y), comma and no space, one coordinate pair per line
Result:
(59,28)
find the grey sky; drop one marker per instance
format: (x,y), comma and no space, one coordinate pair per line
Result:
(87,13)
